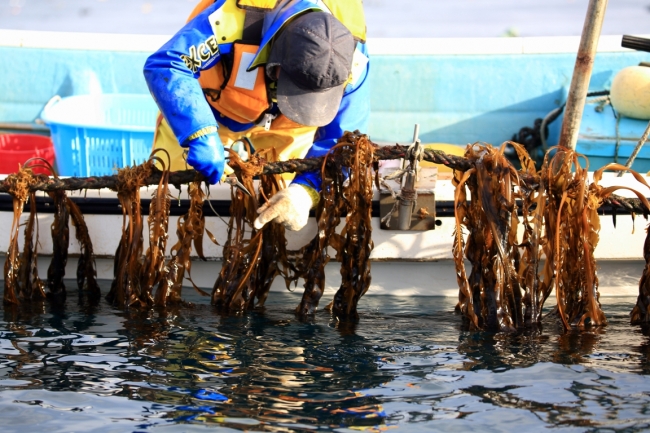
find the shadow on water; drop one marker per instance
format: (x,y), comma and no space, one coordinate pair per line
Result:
(406,364)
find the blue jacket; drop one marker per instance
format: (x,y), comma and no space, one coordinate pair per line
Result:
(172,72)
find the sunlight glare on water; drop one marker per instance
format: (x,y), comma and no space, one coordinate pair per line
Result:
(408,365)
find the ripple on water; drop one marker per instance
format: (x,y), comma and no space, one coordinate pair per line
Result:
(408,365)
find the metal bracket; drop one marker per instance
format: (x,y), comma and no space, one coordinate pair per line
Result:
(412,208)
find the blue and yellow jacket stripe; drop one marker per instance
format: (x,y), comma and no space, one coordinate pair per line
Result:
(172,74)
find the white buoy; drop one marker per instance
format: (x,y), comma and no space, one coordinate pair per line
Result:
(630,92)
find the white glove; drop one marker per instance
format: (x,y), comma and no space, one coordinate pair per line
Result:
(289,206)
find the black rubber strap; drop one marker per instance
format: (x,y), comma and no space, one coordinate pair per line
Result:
(253,25)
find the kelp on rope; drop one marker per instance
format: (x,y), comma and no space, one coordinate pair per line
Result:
(29,287)
(511,276)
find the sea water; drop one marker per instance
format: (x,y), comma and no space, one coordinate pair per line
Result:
(409,365)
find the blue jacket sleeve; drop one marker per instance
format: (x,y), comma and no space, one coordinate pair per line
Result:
(172,71)
(353,114)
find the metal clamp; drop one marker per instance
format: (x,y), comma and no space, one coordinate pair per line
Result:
(411,205)
(408,194)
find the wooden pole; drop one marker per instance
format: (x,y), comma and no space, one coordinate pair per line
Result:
(582,73)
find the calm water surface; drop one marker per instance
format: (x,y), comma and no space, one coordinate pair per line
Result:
(409,365)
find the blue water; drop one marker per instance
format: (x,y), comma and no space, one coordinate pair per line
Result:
(408,365)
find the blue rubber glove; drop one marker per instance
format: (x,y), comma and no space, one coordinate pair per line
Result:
(206,155)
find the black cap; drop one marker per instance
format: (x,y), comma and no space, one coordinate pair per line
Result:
(314,53)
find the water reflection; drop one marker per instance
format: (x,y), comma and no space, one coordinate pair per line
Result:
(644,349)
(408,364)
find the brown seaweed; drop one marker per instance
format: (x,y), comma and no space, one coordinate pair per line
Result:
(469,293)
(60,242)
(126,290)
(86,270)
(18,184)
(536,286)
(641,312)
(509,282)
(235,287)
(574,234)
(273,258)
(252,259)
(310,261)
(491,296)
(525,233)
(32,287)
(189,230)
(158,223)
(356,237)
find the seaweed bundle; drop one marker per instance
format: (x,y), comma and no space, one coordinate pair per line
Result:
(19,289)
(354,244)
(641,312)
(252,259)
(572,227)
(22,282)
(86,271)
(491,296)
(189,230)
(135,273)
(509,282)
(158,224)
(126,290)
(250,256)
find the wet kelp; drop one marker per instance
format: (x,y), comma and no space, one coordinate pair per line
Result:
(572,227)
(490,297)
(158,223)
(354,244)
(60,242)
(641,313)
(252,259)
(135,273)
(22,282)
(138,275)
(86,271)
(126,290)
(31,285)
(189,230)
(509,283)
(15,292)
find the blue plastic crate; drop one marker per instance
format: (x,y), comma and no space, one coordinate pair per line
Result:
(93,135)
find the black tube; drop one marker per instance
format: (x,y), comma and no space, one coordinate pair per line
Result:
(636,43)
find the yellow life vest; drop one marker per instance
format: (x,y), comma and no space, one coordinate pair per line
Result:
(230,88)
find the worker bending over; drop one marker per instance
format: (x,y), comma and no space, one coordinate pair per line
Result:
(289,75)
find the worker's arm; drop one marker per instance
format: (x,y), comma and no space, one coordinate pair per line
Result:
(353,114)
(172,76)
(172,72)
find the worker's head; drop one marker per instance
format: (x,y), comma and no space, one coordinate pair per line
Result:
(314,54)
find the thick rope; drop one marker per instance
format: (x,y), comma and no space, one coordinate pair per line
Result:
(178,178)
(187,176)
